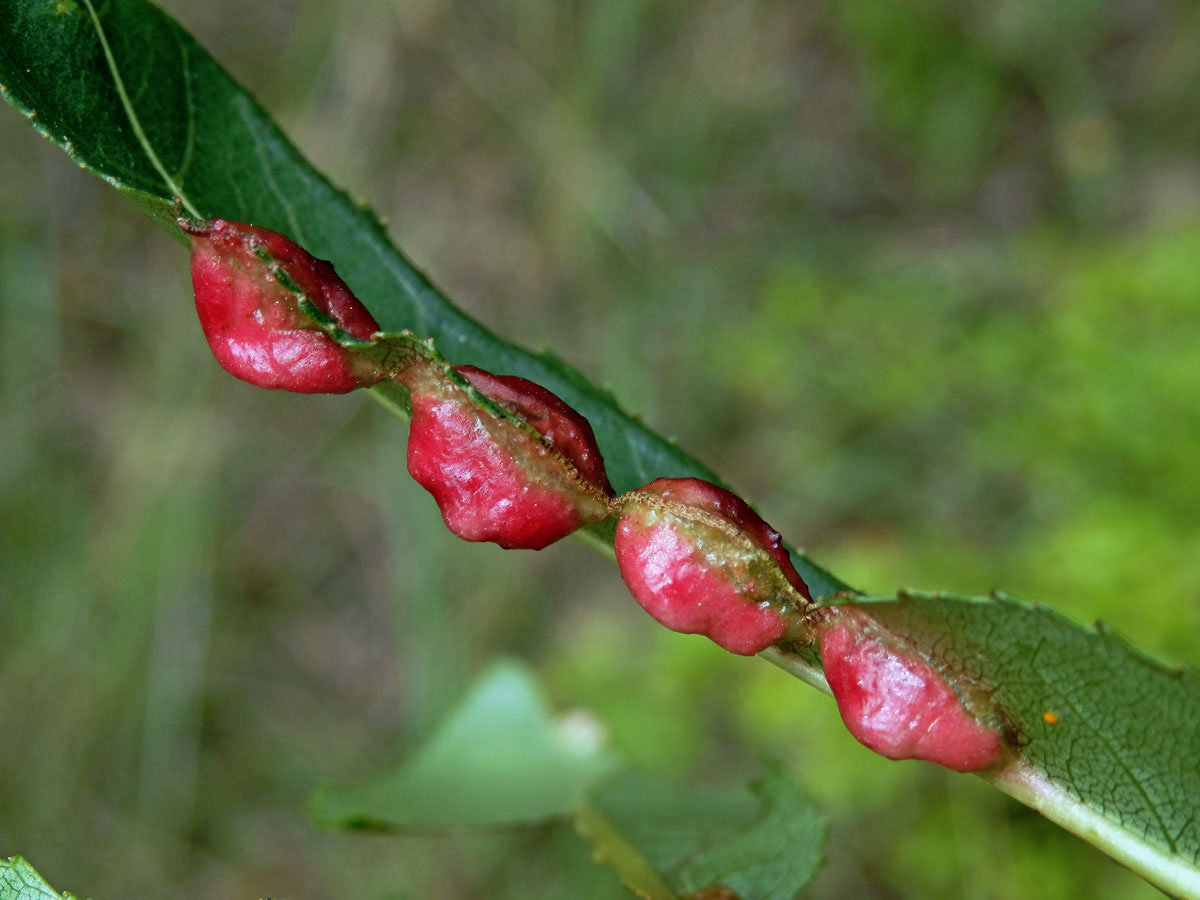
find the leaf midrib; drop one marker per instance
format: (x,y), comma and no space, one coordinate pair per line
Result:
(131,113)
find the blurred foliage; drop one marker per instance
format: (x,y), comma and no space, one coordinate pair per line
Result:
(537,766)
(919,279)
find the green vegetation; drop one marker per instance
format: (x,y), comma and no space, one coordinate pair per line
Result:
(928,286)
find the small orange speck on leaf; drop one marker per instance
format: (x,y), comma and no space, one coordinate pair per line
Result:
(1049,718)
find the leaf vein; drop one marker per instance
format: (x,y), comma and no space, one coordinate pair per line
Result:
(131,114)
(1121,766)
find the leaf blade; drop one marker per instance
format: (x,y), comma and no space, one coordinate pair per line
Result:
(499,758)
(226,158)
(1101,726)
(762,841)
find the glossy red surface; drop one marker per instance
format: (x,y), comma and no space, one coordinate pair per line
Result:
(492,480)
(696,577)
(566,430)
(254,325)
(897,703)
(684,592)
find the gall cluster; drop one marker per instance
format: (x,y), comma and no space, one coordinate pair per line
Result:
(507,461)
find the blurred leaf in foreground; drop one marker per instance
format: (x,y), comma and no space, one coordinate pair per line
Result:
(499,758)
(760,841)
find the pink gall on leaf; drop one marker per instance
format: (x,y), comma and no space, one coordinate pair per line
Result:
(898,703)
(522,479)
(252,318)
(701,561)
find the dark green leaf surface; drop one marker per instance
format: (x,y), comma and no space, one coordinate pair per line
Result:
(1124,735)
(762,841)
(19,881)
(157,118)
(500,758)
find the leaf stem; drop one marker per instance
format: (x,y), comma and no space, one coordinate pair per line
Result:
(1165,870)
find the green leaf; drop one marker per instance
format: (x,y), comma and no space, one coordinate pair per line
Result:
(147,109)
(761,841)
(500,758)
(1118,758)
(20,881)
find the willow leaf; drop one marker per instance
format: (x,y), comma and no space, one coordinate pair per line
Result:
(147,109)
(1108,738)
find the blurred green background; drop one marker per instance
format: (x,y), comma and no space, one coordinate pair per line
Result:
(919,279)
